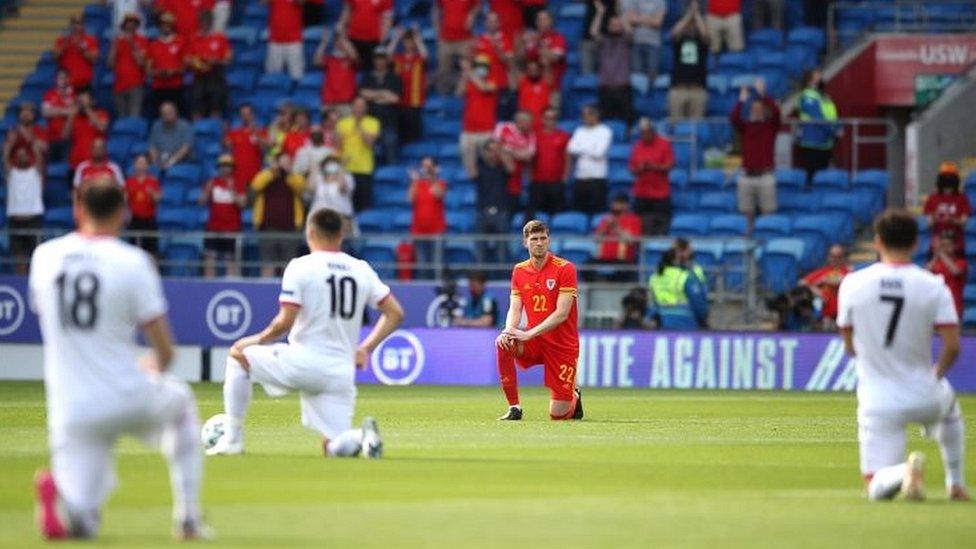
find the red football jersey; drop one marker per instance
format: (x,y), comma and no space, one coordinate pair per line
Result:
(539,291)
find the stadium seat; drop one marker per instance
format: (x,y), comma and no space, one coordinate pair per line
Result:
(791,178)
(969,317)
(733,265)
(797,202)
(653,250)
(55,193)
(871,178)
(391,175)
(382,258)
(684,201)
(59,218)
(374,221)
(131,127)
(278,83)
(402,220)
(689,225)
(461,197)
(181,260)
(780,263)
(413,152)
(831,178)
(772,226)
(728,225)
(735,62)
(584,83)
(678,179)
(518,221)
(569,223)
(767,38)
(808,36)
(173,193)
(460,221)
(842,202)
(716,203)
(460,254)
(189,174)
(707,180)
(208,128)
(969,295)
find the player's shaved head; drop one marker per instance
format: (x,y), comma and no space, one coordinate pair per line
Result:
(533,227)
(896,229)
(326,223)
(101,199)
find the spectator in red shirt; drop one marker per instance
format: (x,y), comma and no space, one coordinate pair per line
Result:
(517,142)
(285,38)
(297,134)
(480,104)
(367,24)
(548,46)
(948,208)
(226,199)
(76,53)
(246,143)
(954,269)
(167,57)
(55,108)
(453,21)
(651,160)
(618,234)
(530,12)
(499,48)
(724,21)
(550,167)
(186,15)
(86,124)
(426,193)
(127,58)
(339,86)
(210,54)
(142,193)
(411,66)
(25,135)
(535,91)
(825,283)
(509,14)
(98,166)
(757,128)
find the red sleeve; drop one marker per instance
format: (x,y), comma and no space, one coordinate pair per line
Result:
(964,205)
(93,44)
(567,279)
(515,283)
(930,204)
(387,5)
(736,115)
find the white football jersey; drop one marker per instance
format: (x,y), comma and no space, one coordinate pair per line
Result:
(332,289)
(893,311)
(92,293)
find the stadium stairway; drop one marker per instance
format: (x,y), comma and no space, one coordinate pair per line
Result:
(28,34)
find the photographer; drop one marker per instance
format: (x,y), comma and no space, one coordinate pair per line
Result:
(634,317)
(479,310)
(795,310)
(333,188)
(449,309)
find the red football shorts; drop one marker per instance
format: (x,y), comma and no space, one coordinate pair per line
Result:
(560,367)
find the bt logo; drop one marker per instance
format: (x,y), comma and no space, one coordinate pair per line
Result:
(399,360)
(228,314)
(12,310)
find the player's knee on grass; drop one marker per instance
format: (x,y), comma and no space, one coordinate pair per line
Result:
(561,409)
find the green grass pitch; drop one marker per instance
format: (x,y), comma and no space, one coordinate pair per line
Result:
(646,468)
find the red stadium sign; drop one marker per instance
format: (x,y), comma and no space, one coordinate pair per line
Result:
(900,58)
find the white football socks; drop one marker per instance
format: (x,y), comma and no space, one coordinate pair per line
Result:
(949,433)
(181,445)
(347,444)
(237,397)
(886,482)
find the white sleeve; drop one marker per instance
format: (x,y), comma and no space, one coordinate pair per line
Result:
(291,287)
(119,179)
(945,312)
(33,278)
(76,180)
(844,317)
(150,302)
(377,291)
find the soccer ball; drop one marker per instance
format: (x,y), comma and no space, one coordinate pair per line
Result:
(213,429)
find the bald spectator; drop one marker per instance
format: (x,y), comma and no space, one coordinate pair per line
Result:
(171,138)
(825,283)
(651,160)
(98,166)
(76,52)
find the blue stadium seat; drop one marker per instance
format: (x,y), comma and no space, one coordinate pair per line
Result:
(569,223)
(716,203)
(678,178)
(439,127)
(189,174)
(252,59)
(804,56)
(402,221)
(584,83)
(780,263)
(619,152)
(279,83)
(460,221)
(736,62)
(241,35)
(118,149)
(792,201)
(413,152)
(382,258)
(969,317)
(181,260)
(449,152)
(312,81)
(684,201)
(653,250)
(831,178)
(374,221)
(518,220)
(689,225)
(208,128)
(707,180)
(791,178)
(772,226)
(969,295)
(59,218)
(767,38)
(55,194)
(460,253)
(841,202)
(132,127)
(728,225)
(173,193)
(620,176)
(393,175)
(619,129)
(391,196)
(461,197)
(872,178)
(809,36)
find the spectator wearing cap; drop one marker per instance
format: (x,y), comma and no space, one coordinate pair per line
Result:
(383,89)
(166,64)
(142,193)
(98,166)
(651,160)
(947,261)
(494,204)
(210,54)
(550,167)
(453,21)
(948,208)
(246,143)
(825,283)
(411,66)
(517,142)
(27,135)
(127,58)
(688,95)
(25,204)
(86,124)
(76,52)
(756,117)
(426,193)
(358,132)
(170,139)
(480,93)
(339,87)
(285,49)
(590,145)
(309,158)
(367,24)
(332,187)
(724,21)
(618,235)
(278,212)
(56,107)
(616,98)
(226,199)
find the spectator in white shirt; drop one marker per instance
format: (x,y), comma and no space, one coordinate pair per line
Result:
(332,188)
(309,158)
(25,206)
(590,145)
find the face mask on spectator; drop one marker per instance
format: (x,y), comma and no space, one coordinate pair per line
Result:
(331,168)
(481,71)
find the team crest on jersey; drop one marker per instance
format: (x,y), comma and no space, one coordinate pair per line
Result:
(550,284)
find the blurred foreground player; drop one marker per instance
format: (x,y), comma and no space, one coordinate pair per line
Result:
(545,285)
(92,291)
(887,315)
(323,295)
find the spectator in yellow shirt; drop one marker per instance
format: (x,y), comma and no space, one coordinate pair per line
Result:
(358,132)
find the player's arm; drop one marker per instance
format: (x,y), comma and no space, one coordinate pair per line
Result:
(390,319)
(512,320)
(950,349)
(160,339)
(847,333)
(564,304)
(279,326)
